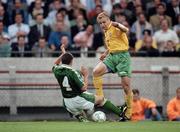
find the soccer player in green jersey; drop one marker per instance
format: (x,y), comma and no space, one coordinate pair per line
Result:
(74,85)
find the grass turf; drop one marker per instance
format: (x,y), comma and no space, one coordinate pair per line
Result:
(50,126)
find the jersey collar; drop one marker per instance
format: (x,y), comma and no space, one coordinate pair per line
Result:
(109,26)
(66,66)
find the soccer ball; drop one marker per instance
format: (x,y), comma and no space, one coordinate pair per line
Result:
(99,116)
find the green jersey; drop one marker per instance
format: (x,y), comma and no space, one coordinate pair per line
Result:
(70,80)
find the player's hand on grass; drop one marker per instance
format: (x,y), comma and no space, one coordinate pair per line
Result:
(63,49)
(84,71)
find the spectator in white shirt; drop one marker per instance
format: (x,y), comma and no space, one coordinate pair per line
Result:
(176,27)
(140,25)
(84,40)
(165,34)
(18,29)
(57,4)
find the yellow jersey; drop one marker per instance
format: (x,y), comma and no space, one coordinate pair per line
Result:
(116,40)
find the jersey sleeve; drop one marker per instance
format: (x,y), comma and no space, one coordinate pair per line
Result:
(54,68)
(118,32)
(78,79)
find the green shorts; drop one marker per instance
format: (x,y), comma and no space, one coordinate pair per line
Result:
(119,62)
(88,96)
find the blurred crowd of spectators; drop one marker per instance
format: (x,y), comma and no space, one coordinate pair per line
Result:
(38,27)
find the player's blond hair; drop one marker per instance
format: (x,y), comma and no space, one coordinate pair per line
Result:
(102,14)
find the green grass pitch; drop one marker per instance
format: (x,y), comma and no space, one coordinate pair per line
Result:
(70,126)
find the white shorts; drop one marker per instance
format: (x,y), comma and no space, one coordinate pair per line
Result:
(77,104)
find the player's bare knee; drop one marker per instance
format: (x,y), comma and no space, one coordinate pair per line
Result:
(96,72)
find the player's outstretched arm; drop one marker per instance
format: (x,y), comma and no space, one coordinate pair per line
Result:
(120,26)
(85,73)
(63,49)
(58,60)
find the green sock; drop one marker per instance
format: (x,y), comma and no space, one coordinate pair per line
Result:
(108,105)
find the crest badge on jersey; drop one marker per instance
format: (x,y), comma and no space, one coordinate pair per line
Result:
(110,34)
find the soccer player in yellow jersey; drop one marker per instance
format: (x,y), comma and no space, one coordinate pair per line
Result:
(115,59)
